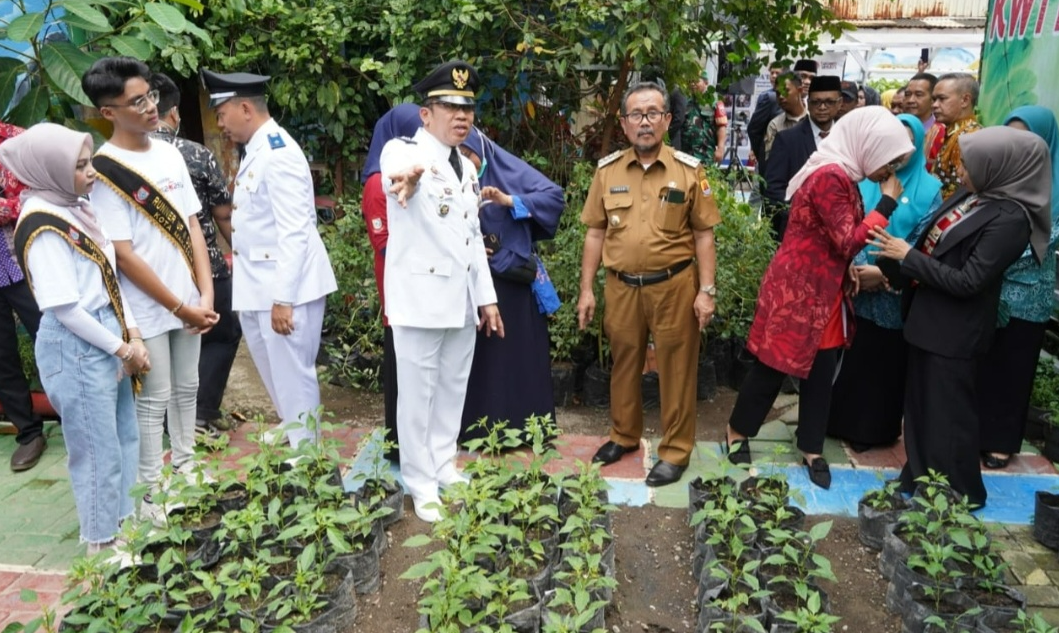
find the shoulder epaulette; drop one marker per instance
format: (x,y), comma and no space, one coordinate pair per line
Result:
(406,139)
(608,159)
(687,159)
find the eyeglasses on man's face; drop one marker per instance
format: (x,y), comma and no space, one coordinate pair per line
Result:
(139,106)
(654,116)
(823,103)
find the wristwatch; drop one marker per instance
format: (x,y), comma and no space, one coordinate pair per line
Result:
(709,289)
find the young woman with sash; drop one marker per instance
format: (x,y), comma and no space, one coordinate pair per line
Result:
(951,280)
(88,345)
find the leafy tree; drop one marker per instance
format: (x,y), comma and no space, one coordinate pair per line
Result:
(55,45)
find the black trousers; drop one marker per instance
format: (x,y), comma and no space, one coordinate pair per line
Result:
(14,389)
(941,422)
(219,346)
(389,393)
(761,386)
(1005,380)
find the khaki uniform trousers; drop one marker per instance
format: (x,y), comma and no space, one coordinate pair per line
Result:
(665,310)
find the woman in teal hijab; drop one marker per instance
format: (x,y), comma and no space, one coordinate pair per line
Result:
(1026,300)
(867,401)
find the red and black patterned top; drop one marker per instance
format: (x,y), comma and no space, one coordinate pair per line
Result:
(803,285)
(10,206)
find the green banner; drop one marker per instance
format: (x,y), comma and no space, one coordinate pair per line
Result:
(1020,58)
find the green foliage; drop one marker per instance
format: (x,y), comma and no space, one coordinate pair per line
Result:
(562,259)
(148,31)
(29,359)
(882,84)
(1045,393)
(353,331)
(744,249)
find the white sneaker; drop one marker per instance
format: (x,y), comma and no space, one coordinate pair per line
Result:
(114,551)
(430,515)
(154,513)
(449,477)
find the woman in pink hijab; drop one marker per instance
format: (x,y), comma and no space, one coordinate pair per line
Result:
(88,345)
(803,315)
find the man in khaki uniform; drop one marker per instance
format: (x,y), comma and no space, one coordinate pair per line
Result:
(650,217)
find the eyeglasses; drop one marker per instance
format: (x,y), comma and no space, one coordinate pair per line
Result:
(654,116)
(828,103)
(141,105)
(894,164)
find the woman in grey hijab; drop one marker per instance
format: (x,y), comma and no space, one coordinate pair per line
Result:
(88,345)
(952,277)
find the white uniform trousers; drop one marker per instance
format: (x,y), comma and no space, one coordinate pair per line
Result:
(433,366)
(287,364)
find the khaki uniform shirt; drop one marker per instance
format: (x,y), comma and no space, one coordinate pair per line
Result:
(649,214)
(777,125)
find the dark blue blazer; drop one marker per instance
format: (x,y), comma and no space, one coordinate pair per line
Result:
(791,149)
(765,110)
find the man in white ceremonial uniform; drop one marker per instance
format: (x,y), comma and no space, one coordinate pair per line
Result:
(437,281)
(281,274)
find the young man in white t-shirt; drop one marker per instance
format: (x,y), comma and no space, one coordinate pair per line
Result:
(170,296)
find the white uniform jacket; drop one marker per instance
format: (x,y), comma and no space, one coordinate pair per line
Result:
(436,266)
(277,253)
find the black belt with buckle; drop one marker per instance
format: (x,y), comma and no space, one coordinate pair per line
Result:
(646,279)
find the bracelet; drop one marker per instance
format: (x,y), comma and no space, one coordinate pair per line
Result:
(128,356)
(177,308)
(285,304)
(136,338)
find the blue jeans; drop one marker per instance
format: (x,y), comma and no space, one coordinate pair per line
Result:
(98,423)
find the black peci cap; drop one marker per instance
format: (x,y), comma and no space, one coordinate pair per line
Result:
(225,86)
(806,65)
(825,83)
(452,82)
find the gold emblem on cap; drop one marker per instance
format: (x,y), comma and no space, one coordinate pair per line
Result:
(460,78)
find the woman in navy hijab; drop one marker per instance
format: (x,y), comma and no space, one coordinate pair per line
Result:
(511,377)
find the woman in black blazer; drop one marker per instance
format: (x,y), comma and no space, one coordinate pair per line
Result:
(952,278)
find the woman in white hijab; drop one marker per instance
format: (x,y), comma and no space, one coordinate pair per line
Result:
(803,315)
(88,345)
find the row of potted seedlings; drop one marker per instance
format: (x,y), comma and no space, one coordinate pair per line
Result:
(758,569)
(275,544)
(518,550)
(943,571)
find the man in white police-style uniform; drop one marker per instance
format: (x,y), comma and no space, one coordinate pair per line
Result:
(280,270)
(438,286)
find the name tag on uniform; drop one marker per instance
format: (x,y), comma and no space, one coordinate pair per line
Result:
(620,189)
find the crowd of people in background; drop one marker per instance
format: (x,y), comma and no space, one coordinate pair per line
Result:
(915,265)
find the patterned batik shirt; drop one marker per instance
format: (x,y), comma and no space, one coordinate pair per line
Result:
(10,205)
(211,189)
(949,157)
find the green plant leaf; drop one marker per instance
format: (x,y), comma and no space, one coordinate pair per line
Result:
(25,27)
(192,4)
(419,540)
(154,34)
(65,64)
(10,69)
(131,47)
(32,109)
(820,531)
(168,17)
(89,15)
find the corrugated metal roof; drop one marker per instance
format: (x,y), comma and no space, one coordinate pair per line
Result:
(904,9)
(924,23)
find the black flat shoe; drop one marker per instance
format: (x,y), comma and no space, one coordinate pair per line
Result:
(612,452)
(741,454)
(860,447)
(819,472)
(664,473)
(990,460)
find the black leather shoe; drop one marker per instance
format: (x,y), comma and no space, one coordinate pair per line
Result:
(664,473)
(990,460)
(819,472)
(27,455)
(612,452)
(741,454)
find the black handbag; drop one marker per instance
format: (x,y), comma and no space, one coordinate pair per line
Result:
(524,274)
